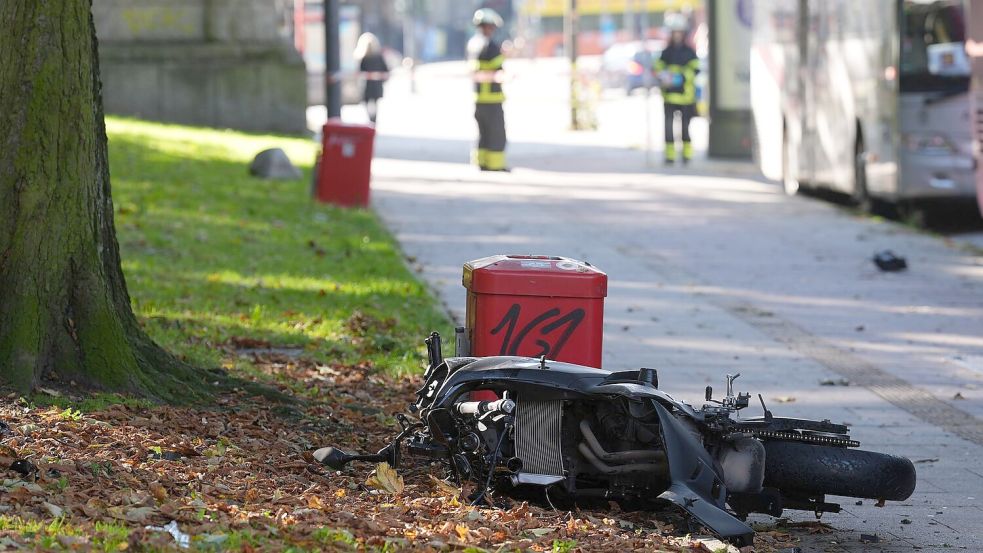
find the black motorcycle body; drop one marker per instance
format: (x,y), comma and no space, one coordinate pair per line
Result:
(581,434)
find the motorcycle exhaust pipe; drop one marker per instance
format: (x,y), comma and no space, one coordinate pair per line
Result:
(619,457)
(634,468)
(513,465)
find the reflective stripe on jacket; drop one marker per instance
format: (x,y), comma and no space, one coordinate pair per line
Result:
(490,60)
(679,61)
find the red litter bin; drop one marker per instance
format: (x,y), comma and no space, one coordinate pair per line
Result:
(535,305)
(345,166)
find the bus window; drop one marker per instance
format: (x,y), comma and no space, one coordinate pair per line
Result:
(933,55)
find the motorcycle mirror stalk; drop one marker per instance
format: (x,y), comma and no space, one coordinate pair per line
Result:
(730,401)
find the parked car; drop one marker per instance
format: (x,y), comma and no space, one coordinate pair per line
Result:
(628,65)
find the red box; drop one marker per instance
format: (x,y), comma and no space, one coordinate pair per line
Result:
(536,305)
(345,167)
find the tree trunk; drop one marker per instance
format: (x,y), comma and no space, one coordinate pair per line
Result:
(64,310)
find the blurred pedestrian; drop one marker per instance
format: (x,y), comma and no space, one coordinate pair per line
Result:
(488,60)
(676,70)
(368,52)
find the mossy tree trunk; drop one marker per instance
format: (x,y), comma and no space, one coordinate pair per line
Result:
(64,309)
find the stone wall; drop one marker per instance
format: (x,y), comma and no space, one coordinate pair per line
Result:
(218,63)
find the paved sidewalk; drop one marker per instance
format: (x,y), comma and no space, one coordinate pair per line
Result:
(712,272)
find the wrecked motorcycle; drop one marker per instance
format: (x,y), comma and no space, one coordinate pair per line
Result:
(575,434)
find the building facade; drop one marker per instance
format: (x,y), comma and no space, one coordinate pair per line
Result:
(218,63)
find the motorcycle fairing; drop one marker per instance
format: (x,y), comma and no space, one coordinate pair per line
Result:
(695,484)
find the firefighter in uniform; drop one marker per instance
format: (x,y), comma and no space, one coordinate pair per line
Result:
(488,58)
(676,69)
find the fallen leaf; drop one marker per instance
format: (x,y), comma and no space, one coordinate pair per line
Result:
(73,542)
(134,514)
(158,491)
(55,510)
(445,487)
(28,429)
(386,479)
(784,399)
(94,507)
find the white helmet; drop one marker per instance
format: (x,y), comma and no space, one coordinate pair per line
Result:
(486,16)
(676,22)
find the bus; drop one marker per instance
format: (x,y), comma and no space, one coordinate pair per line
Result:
(869,98)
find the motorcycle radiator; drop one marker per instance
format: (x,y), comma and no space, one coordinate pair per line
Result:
(537,436)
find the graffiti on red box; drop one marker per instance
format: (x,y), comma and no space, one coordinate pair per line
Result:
(548,330)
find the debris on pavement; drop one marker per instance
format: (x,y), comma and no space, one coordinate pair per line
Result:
(834,382)
(959,395)
(784,399)
(869,538)
(931,460)
(888,261)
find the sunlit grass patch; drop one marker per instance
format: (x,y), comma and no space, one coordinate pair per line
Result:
(60,535)
(212,255)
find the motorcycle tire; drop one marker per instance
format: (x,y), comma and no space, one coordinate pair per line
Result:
(821,470)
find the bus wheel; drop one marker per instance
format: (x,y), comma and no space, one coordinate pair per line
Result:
(860,196)
(789,183)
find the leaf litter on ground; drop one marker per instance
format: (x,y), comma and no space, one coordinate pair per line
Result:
(244,474)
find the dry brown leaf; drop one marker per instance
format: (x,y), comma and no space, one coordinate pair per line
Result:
(55,510)
(386,479)
(94,507)
(314,502)
(131,514)
(444,486)
(158,491)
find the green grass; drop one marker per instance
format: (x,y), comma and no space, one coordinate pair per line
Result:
(45,534)
(211,254)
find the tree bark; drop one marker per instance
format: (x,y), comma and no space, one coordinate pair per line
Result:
(64,309)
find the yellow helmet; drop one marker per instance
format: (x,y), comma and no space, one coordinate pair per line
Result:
(486,16)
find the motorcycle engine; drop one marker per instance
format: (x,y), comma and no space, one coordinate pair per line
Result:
(606,450)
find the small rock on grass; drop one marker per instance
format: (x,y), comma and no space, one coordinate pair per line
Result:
(273,164)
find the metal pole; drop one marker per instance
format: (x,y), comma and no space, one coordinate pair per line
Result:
(572,50)
(642,29)
(332,59)
(409,41)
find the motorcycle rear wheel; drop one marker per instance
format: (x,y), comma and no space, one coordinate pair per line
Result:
(818,469)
